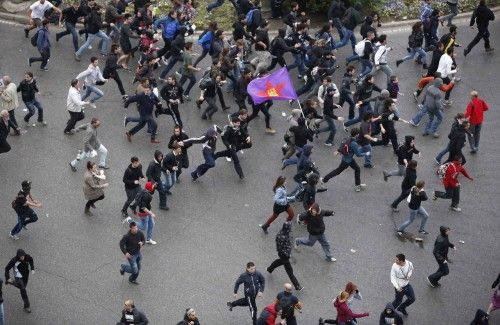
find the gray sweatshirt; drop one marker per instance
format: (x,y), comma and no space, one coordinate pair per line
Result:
(432,98)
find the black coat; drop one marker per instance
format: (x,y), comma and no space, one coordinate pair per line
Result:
(139,317)
(441,246)
(482,16)
(23,267)
(131,175)
(315,224)
(283,242)
(457,139)
(409,180)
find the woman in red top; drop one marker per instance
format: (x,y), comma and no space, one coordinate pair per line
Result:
(344,313)
(451,184)
(474,113)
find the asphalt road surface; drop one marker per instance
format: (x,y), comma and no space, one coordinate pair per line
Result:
(211,230)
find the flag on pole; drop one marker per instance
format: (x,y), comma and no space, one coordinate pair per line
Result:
(276,86)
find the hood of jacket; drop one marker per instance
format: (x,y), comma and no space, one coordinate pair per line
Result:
(20,253)
(408,140)
(443,229)
(307,149)
(479,316)
(158,153)
(391,307)
(438,82)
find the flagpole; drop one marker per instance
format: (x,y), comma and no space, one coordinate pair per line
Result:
(300,106)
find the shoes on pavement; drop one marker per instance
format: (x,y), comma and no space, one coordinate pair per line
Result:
(402,310)
(430,283)
(299,288)
(270,130)
(386,177)
(264,228)
(26,33)
(15,237)
(27,310)
(330,259)
(133,281)
(103,167)
(73,168)
(122,272)
(229,305)
(166,208)
(423,232)
(456,209)
(151,242)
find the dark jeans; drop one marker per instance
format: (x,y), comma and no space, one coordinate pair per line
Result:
(91,202)
(131,194)
(276,60)
(70,29)
(175,114)
(4,145)
(249,301)
(483,33)
(276,9)
(12,118)
(285,261)
(347,98)
(364,108)
(404,194)
(21,284)
(343,166)
(447,81)
(171,63)
(32,106)
(307,86)
(44,58)
(410,297)
(208,155)
(264,108)
(23,220)
(330,127)
(201,57)
(231,153)
(211,108)
(442,271)
(143,120)
(165,49)
(390,135)
(475,130)
(192,82)
(183,163)
(73,118)
(452,193)
(116,77)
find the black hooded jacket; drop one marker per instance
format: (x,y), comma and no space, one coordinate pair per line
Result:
(481,318)
(283,243)
(406,150)
(441,245)
(315,224)
(23,267)
(457,139)
(131,175)
(390,318)
(153,173)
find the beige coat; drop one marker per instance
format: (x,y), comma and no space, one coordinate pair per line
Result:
(8,99)
(92,189)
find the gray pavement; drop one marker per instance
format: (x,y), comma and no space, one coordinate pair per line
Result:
(211,230)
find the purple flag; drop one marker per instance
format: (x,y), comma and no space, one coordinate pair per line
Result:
(276,86)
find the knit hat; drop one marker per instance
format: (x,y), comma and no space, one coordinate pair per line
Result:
(149,186)
(384,93)
(26,184)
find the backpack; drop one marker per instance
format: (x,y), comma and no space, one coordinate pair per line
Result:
(344,146)
(249,17)
(442,169)
(205,79)
(34,39)
(360,47)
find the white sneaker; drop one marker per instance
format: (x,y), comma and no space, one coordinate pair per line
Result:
(456,209)
(228,159)
(15,237)
(150,242)
(331,259)
(127,220)
(90,47)
(241,151)
(295,244)
(27,124)
(92,105)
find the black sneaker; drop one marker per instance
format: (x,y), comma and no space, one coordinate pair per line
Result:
(26,33)
(229,305)
(27,310)
(264,228)
(166,208)
(320,321)
(269,270)
(121,271)
(299,288)
(133,281)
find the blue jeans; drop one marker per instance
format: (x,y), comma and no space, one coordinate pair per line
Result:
(413,214)
(347,35)
(416,50)
(298,63)
(146,224)
(92,89)
(435,119)
(215,4)
(70,29)
(192,82)
(293,160)
(170,179)
(23,220)
(312,239)
(31,106)
(133,267)
(347,98)
(1,314)
(209,156)
(366,67)
(362,110)
(443,152)
(103,43)
(410,297)
(367,148)
(142,121)
(420,114)
(330,127)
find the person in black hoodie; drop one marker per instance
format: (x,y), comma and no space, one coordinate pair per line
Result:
(178,136)
(278,48)
(481,16)
(190,318)
(316,229)
(284,249)
(209,141)
(441,246)
(130,245)
(172,94)
(388,117)
(390,316)
(153,173)
(408,182)
(240,92)
(301,134)
(111,69)
(176,50)
(405,154)
(345,91)
(132,315)
(457,141)
(417,195)
(146,101)
(310,189)
(457,120)
(170,165)
(436,56)
(253,287)
(234,138)
(133,174)
(329,116)
(20,266)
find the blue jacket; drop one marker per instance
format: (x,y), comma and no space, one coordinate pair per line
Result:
(170,26)
(354,149)
(42,41)
(206,40)
(281,198)
(145,103)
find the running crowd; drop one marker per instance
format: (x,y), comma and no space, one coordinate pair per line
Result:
(161,42)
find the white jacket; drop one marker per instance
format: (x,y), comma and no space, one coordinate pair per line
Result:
(381,55)
(400,275)
(74,101)
(444,67)
(322,92)
(91,75)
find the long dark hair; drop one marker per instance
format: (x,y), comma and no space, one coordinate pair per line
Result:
(279,182)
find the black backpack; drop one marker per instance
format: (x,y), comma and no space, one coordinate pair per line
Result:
(34,39)
(344,146)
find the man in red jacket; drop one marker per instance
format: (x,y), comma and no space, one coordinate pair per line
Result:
(474,113)
(451,184)
(270,314)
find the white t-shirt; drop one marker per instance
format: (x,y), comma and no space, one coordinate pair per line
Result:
(38,9)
